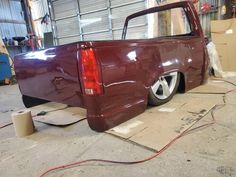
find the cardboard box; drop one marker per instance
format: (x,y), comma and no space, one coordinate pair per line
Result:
(223,33)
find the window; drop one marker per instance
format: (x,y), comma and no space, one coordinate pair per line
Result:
(170,22)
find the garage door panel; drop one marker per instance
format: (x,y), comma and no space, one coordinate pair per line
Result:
(97,36)
(137,33)
(69,40)
(117,34)
(118,2)
(91,5)
(119,14)
(124,11)
(67,27)
(64,8)
(94,21)
(138,21)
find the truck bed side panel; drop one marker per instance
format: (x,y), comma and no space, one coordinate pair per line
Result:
(50,74)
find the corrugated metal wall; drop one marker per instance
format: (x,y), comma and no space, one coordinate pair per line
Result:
(11,19)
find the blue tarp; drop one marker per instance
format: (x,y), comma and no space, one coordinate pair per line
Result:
(5,68)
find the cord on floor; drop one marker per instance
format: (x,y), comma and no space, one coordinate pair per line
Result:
(187,131)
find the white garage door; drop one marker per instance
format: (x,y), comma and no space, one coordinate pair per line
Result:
(83,20)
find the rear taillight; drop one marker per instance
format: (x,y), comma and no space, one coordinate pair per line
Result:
(91,76)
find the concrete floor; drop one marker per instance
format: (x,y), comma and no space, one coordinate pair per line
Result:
(209,152)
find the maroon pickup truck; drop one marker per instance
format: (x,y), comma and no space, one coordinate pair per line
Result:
(116,80)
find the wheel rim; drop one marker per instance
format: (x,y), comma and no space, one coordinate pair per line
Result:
(165,85)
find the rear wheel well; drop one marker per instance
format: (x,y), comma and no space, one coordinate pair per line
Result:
(181,87)
(31,101)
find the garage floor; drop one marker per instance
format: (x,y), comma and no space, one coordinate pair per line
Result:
(209,152)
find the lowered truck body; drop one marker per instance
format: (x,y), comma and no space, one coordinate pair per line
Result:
(112,79)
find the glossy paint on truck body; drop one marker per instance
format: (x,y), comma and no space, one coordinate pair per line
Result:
(50,74)
(128,69)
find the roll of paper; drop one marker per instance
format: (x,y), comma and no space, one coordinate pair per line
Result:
(23,123)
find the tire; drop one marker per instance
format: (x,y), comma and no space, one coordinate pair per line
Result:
(163,89)
(31,101)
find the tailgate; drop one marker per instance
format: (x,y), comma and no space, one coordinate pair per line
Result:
(50,74)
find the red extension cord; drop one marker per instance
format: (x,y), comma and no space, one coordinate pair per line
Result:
(148,158)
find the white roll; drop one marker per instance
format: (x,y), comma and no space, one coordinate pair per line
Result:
(23,123)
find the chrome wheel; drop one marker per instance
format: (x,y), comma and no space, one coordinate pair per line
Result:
(164,87)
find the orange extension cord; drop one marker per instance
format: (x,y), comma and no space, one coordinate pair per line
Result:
(190,129)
